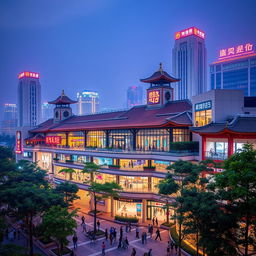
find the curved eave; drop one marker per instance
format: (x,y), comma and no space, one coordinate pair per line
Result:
(160,79)
(62,102)
(225,131)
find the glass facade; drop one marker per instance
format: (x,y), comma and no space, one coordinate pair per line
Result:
(76,139)
(180,135)
(120,139)
(153,139)
(203,117)
(136,184)
(236,75)
(96,139)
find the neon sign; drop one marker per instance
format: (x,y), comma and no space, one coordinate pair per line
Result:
(18,143)
(188,32)
(153,97)
(236,51)
(53,140)
(28,74)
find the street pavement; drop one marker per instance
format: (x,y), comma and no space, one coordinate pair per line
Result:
(88,248)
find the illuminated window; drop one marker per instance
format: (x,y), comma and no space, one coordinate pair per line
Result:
(180,135)
(203,117)
(76,139)
(121,139)
(96,139)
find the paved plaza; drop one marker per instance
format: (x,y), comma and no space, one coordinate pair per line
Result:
(88,248)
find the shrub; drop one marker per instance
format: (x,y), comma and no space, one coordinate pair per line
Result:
(184,246)
(126,219)
(69,161)
(113,166)
(149,168)
(185,146)
(55,159)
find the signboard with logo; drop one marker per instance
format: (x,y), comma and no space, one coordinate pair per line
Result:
(18,143)
(203,105)
(153,97)
(236,51)
(188,32)
(53,140)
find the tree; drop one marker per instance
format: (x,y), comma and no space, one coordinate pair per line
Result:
(58,224)
(167,188)
(69,171)
(28,201)
(185,174)
(99,191)
(236,186)
(69,191)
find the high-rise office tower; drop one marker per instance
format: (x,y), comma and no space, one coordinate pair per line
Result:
(29,99)
(189,63)
(235,69)
(9,122)
(87,102)
(47,110)
(135,96)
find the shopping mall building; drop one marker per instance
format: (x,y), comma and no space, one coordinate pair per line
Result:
(134,147)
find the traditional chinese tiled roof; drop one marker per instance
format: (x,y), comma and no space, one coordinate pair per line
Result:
(240,124)
(160,77)
(62,99)
(174,113)
(36,137)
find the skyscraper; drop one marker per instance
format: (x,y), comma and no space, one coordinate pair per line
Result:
(9,122)
(235,69)
(87,102)
(47,110)
(135,96)
(29,99)
(189,63)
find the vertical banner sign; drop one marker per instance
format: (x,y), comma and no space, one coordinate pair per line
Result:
(18,142)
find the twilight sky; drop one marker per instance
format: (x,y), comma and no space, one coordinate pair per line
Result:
(108,45)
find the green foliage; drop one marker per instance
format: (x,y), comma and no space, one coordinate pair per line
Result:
(126,219)
(186,146)
(184,246)
(58,224)
(237,186)
(69,191)
(149,168)
(113,166)
(91,167)
(69,171)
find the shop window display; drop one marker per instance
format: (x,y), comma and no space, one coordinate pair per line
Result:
(153,140)
(76,139)
(128,208)
(136,184)
(180,135)
(120,139)
(96,139)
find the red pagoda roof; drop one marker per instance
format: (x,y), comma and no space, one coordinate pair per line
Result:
(175,113)
(62,99)
(160,77)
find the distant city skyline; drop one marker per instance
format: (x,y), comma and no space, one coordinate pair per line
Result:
(73,49)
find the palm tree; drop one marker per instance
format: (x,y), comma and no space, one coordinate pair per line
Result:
(69,171)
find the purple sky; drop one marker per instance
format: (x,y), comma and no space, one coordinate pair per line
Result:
(108,45)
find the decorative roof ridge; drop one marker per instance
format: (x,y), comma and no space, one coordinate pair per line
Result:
(207,125)
(97,120)
(240,116)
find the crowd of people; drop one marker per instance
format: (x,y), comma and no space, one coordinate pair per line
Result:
(120,235)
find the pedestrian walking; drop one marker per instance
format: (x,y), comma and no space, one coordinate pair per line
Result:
(150,252)
(106,234)
(75,241)
(119,243)
(172,246)
(133,252)
(145,237)
(126,243)
(176,248)
(98,225)
(126,228)
(137,232)
(130,227)
(149,226)
(168,250)
(151,231)
(83,220)
(114,234)
(142,238)
(158,234)
(121,231)
(157,222)
(153,221)
(103,247)
(111,238)
(84,227)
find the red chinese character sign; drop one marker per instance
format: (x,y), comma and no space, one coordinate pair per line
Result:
(236,51)
(188,32)
(153,97)
(53,140)
(18,143)
(28,74)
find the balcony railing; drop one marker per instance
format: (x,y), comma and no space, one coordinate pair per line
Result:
(177,148)
(216,155)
